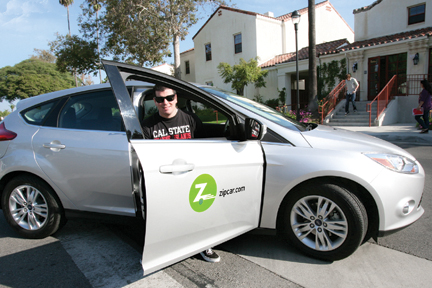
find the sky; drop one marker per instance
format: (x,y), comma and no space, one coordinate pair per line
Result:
(29,24)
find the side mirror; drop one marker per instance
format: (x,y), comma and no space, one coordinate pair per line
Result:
(254,129)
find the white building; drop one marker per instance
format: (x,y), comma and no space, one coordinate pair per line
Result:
(230,34)
(165,68)
(391,38)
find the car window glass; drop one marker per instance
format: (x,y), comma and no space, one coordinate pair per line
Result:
(207,114)
(258,108)
(92,111)
(36,115)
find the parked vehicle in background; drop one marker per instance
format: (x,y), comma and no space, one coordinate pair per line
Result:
(82,152)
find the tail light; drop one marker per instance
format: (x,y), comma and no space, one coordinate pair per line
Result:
(5,134)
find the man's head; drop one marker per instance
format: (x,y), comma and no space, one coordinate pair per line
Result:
(165,100)
(348,76)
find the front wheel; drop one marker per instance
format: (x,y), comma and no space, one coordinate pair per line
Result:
(324,220)
(30,207)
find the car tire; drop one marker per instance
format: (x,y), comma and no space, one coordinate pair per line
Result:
(324,220)
(31,207)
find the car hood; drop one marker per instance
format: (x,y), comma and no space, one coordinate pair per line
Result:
(326,137)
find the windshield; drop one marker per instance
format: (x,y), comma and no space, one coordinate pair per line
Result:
(258,108)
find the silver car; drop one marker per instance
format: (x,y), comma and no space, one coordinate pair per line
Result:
(82,152)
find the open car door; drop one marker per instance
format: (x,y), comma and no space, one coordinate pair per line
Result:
(198,192)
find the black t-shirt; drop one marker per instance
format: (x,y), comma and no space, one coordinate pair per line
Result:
(181,126)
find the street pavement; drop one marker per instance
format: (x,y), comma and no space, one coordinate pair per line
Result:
(400,133)
(90,254)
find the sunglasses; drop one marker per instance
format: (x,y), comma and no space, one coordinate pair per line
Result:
(169,98)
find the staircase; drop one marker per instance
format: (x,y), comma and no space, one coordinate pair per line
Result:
(359,118)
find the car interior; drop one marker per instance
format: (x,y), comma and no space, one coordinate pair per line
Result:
(215,123)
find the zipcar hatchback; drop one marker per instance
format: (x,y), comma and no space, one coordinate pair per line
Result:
(82,151)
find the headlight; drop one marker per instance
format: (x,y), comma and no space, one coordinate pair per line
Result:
(395,162)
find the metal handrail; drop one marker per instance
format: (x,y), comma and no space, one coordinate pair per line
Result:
(412,83)
(330,101)
(383,98)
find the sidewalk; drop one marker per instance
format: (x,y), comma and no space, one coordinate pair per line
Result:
(400,132)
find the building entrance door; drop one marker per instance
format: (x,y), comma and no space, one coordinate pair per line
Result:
(382,68)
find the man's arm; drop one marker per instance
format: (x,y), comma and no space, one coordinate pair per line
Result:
(357,85)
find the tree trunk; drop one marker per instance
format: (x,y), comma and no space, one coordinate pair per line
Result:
(313,90)
(97,39)
(176,45)
(74,73)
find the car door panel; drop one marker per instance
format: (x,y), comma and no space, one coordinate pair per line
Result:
(91,168)
(196,205)
(174,230)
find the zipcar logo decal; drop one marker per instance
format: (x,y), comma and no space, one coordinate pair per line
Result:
(202,193)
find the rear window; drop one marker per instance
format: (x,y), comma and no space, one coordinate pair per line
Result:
(37,114)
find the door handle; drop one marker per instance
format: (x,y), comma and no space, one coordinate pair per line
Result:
(177,167)
(55,146)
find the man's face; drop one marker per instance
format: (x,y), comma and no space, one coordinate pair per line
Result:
(348,77)
(167,109)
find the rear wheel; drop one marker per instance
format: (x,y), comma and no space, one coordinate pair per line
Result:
(30,207)
(324,220)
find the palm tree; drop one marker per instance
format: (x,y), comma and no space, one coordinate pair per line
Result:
(97,7)
(313,91)
(67,3)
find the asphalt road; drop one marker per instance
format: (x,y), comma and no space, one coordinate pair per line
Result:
(94,254)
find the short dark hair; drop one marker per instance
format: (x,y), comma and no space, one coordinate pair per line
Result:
(348,74)
(426,85)
(161,88)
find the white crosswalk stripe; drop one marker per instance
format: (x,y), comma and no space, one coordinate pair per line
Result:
(106,261)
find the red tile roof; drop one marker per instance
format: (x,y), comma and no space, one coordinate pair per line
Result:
(287,17)
(384,40)
(187,51)
(304,53)
(366,8)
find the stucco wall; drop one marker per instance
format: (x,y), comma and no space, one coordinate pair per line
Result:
(388,17)
(269,38)
(165,68)
(188,56)
(268,92)
(220,31)
(330,26)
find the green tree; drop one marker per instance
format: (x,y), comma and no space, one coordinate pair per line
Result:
(43,55)
(126,32)
(75,55)
(242,74)
(140,31)
(4,113)
(30,78)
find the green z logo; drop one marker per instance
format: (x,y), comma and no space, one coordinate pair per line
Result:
(202,193)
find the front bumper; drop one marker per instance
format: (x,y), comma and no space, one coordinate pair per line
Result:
(398,199)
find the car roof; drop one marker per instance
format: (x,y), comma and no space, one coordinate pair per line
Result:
(28,102)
